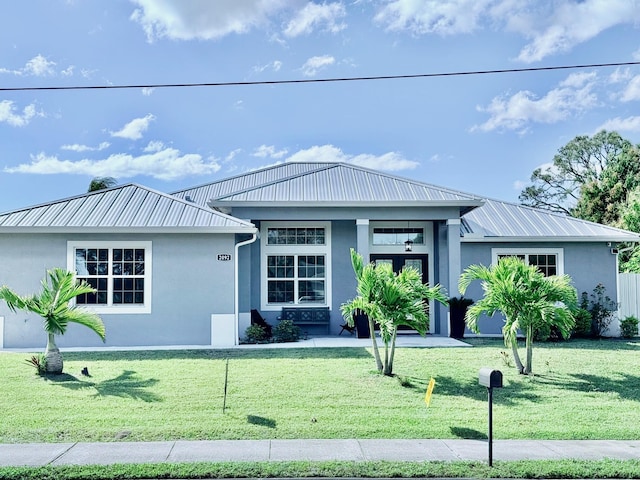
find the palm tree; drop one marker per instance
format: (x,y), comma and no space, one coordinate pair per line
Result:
(102,183)
(390,300)
(526,298)
(59,287)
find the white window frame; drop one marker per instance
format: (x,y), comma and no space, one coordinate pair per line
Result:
(110,308)
(296,250)
(559,252)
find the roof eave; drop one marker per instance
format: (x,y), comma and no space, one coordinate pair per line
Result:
(592,239)
(464,205)
(250,229)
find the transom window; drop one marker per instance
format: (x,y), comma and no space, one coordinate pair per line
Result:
(398,236)
(295,264)
(120,274)
(548,261)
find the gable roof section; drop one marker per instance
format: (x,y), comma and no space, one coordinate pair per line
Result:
(325,184)
(128,208)
(498,221)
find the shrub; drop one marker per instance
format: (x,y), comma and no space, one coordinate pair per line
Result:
(629,327)
(601,308)
(39,362)
(582,328)
(286,331)
(256,334)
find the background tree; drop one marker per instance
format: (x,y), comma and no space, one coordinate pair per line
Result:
(102,183)
(590,178)
(390,300)
(527,299)
(59,287)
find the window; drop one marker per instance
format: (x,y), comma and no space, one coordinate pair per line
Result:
(549,261)
(398,236)
(120,273)
(295,264)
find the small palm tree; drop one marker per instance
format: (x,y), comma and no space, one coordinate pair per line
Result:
(59,287)
(102,183)
(528,300)
(390,300)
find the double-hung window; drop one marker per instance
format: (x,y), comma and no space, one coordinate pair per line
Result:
(295,264)
(120,272)
(550,261)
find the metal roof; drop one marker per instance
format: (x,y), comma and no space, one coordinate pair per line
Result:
(128,207)
(318,184)
(503,221)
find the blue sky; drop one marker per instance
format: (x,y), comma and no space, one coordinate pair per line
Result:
(482,134)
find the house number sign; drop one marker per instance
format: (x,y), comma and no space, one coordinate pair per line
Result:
(224,257)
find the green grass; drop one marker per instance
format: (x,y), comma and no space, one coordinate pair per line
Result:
(581,390)
(519,469)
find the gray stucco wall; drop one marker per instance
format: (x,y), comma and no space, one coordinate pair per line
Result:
(587,263)
(189,284)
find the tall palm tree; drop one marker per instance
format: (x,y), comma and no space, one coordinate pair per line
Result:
(526,298)
(59,287)
(102,183)
(390,300)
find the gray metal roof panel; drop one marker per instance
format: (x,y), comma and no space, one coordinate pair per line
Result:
(503,220)
(121,207)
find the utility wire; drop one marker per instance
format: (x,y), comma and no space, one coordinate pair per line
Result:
(320,80)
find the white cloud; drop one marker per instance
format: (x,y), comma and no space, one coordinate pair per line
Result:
(516,111)
(571,23)
(632,90)
(135,128)
(550,27)
(85,148)
(147,91)
(276,65)
(264,151)
(312,66)
(164,164)
(629,124)
(391,161)
(203,19)
(314,14)
(433,16)
(39,66)
(8,114)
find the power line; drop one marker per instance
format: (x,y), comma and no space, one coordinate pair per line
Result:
(321,80)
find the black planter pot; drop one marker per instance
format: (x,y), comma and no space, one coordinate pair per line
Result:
(362,325)
(456,320)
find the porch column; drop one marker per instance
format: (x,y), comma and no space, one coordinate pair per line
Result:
(453,243)
(362,238)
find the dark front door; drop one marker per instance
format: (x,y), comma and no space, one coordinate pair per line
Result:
(419,262)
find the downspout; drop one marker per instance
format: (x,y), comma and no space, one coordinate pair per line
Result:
(236,307)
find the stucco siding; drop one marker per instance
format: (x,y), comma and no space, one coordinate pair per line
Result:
(189,284)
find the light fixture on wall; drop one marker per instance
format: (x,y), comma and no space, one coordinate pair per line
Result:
(408,245)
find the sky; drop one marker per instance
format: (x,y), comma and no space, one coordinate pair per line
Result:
(482,134)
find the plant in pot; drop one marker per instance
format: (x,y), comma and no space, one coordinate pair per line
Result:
(457,310)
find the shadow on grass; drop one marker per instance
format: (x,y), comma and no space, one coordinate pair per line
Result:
(261,421)
(468,433)
(512,394)
(125,385)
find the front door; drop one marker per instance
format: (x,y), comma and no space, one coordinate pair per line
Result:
(399,261)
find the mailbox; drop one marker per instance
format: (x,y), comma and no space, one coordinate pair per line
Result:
(490,378)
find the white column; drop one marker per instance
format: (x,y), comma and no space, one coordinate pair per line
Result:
(453,242)
(362,238)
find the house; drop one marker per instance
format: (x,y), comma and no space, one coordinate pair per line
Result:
(187,268)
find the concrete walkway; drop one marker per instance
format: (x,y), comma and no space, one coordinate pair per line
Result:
(41,454)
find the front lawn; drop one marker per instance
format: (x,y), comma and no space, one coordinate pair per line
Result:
(581,390)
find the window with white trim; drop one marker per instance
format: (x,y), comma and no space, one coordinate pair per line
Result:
(295,264)
(120,272)
(549,261)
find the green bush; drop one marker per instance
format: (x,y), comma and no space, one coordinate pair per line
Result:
(582,328)
(39,362)
(256,334)
(629,327)
(286,331)
(601,308)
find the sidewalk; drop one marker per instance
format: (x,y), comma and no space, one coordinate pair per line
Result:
(40,454)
